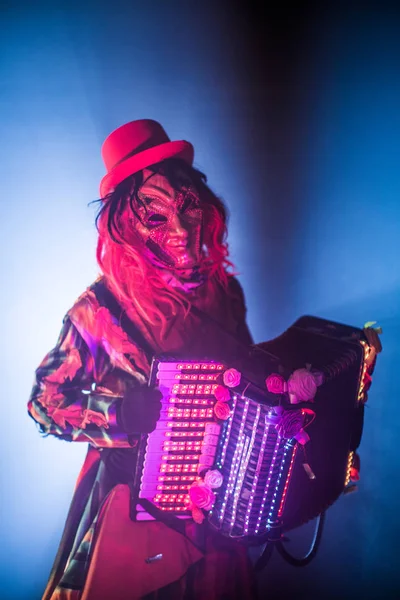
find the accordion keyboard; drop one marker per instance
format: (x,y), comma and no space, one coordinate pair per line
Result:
(186,437)
(254,462)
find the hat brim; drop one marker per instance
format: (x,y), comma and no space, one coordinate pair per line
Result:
(179,149)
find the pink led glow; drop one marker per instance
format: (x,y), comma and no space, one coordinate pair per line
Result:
(226,439)
(188,478)
(172,487)
(194,413)
(166,488)
(202,388)
(186,424)
(256,474)
(282,504)
(184,388)
(175,508)
(236,457)
(171,468)
(179,446)
(169,497)
(267,484)
(185,434)
(191,401)
(176,457)
(188,366)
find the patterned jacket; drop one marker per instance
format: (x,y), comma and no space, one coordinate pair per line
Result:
(80,384)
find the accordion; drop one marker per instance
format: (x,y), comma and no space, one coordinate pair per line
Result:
(264,437)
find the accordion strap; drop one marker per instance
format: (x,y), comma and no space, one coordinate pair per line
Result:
(108,300)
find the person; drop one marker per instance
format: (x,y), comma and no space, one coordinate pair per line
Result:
(166,287)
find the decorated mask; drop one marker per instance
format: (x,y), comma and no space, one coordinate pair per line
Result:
(169,223)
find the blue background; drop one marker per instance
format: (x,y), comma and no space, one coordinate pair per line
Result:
(295,119)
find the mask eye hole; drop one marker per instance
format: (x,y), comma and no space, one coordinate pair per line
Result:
(189,201)
(156,219)
(186,204)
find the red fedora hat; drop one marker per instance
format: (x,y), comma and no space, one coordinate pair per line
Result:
(135,146)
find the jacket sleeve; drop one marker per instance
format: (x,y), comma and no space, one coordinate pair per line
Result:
(66,400)
(240,308)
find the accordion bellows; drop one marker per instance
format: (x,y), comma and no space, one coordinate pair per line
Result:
(266,476)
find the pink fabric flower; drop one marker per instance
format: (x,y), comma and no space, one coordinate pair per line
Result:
(222,411)
(222,394)
(231,378)
(302,386)
(213,478)
(201,495)
(275,383)
(290,424)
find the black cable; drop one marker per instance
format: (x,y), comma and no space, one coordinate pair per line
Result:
(263,560)
(305,560)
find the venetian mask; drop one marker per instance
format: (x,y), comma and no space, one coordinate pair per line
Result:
(169,223)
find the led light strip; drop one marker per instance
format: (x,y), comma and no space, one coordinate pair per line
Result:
(256,474)
(271,516)
(168,446)
(180,457)
(172,488)
(239,479)
(188,478)
(174,508)
(366,350)
(199,366)
(248,449)
(348,468)
(190,413)
(184,434)
(277,444)
(170,498)
(186,424)
(280,511)
(192,402)
(227,433)
(180,468)
(235,462)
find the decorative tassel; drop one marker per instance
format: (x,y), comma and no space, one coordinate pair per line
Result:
(309,471)
(307,467)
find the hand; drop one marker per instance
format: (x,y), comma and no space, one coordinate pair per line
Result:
(140,410)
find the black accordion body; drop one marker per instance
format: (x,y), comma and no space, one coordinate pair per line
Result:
(247,456)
